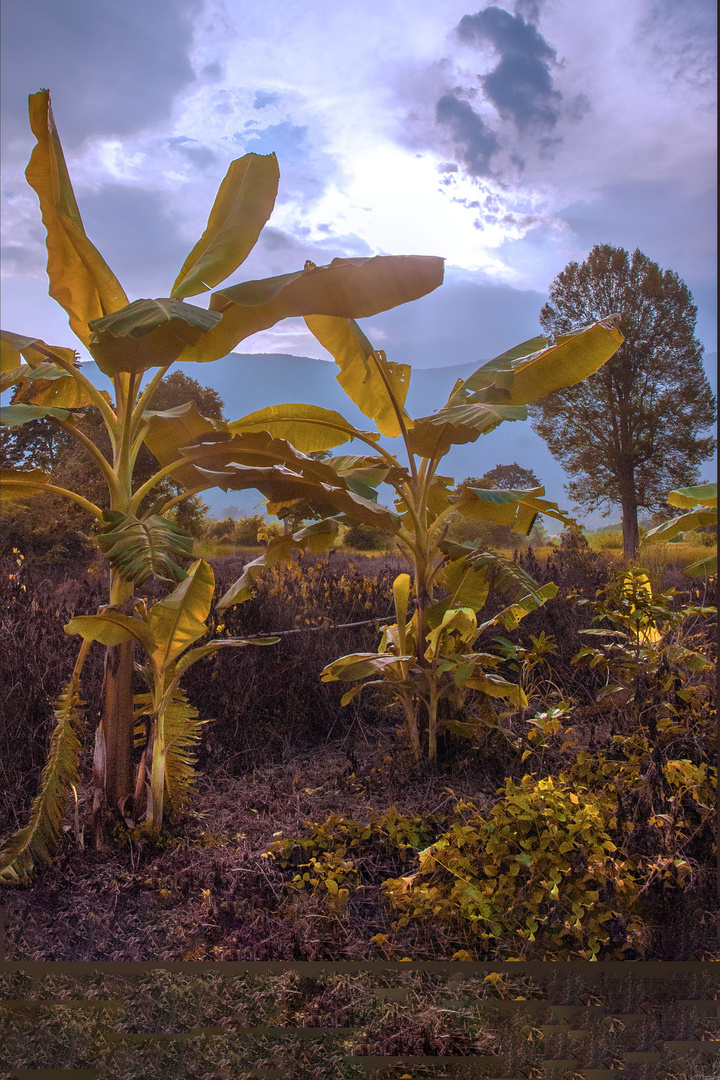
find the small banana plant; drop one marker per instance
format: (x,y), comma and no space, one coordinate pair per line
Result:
(134,343)
(700,504)
(165,632)
(427,660)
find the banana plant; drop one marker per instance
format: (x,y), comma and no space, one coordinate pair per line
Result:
(134,343)
(428,659)
(700,504)
(165,632)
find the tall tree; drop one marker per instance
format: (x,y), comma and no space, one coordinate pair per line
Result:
(633,430)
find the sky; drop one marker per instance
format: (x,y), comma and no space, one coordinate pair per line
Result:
(507,138)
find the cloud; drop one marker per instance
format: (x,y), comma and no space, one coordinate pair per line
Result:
(112,67)
(521,85)
(474,142)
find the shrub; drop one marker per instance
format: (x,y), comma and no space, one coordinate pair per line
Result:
(539,868)
(367,538)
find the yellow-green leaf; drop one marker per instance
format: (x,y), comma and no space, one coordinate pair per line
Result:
(377,387)
(178,620)
(432,436)
(172,429)
(14,349)
(348,288)
(80,280)
(15,415)
(704,494)
(110,628)
(520,379)
(516,509)
(243,204)
(21,483)
(468,585)
(307,427)
(694,519)
(147,334)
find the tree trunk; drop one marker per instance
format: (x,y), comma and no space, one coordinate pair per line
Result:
(628,500)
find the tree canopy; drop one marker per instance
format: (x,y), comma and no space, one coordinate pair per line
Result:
(634,429)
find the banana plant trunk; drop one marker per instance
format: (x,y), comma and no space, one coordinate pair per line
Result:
(113,780)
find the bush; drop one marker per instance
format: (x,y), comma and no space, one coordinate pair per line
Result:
(540,867)
(367,538)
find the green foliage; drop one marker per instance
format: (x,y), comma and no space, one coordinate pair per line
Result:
(427,662)
(367,538)
(645,652)
(118,435)
(539,868)
(327,859)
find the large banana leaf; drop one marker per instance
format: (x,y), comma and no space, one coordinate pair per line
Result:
(38,838)
(47,385)
(377,387)
(308,427)
(694,519)
(171,429)
(702,568)
(139,548)
(15,415)
(516,509)
(505,575)
(178,620)
(14,349)
(703,494)
(192,657)
(110,628)
(80,280)
(280,485)
(348,288)
(432,436)
(535,368)
(466,584)
(21,483)
(704,514)
(243,204)
(147,334)
(356,666)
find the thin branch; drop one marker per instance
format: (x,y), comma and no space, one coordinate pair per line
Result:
(334,626)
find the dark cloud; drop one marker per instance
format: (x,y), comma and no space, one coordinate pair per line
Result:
(521,85)
(474,142)
(136,235)
(112,68)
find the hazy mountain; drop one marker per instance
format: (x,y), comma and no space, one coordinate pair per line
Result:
(250,381)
